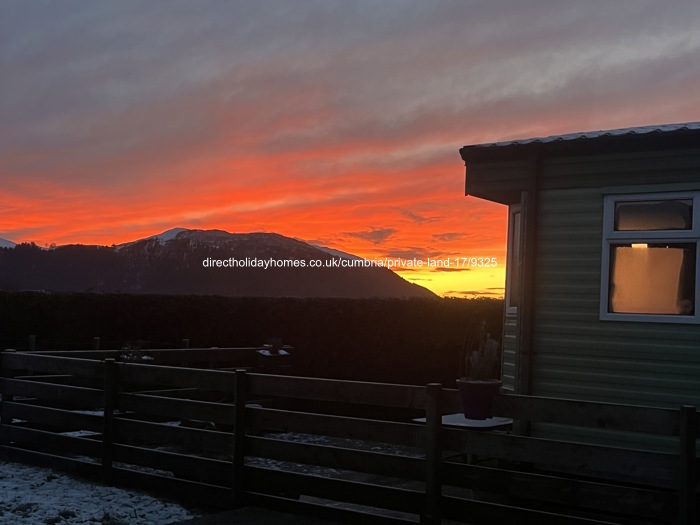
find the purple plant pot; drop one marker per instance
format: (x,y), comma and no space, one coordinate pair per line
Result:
(477,397)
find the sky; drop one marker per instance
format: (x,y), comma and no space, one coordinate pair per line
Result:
(335,122)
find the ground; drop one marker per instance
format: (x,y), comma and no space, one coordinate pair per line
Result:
(32,495)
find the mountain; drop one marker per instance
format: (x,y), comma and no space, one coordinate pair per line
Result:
(162,237)
(4,243)
(182,261)
(337,253)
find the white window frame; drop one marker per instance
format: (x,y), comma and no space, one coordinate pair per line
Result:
(610,237)
(514,256)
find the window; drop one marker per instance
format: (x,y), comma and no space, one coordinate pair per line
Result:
(649,264)
(513,261)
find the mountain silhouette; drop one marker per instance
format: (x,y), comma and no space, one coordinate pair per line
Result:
(212,262)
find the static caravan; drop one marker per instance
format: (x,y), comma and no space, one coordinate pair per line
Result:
(603,273)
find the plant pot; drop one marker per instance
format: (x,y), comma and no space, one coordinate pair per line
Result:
(477,396)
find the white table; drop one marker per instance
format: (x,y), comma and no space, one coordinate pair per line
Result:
(458,420)
(486,425)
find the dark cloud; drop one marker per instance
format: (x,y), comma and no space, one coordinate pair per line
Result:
(375,235)
(412,252)
(418,219)
(448,236)
(479,293)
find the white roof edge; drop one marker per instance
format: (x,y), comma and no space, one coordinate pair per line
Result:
(665,128)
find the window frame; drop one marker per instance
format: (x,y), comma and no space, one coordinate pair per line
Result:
(612,237)
(513,258)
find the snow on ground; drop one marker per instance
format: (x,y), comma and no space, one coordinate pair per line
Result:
(40,496)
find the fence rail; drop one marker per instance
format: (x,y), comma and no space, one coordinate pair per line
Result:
(232,438)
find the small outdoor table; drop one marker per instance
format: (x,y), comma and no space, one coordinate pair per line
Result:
(490,424)
(458,420)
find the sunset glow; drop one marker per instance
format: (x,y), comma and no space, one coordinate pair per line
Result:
(337,124)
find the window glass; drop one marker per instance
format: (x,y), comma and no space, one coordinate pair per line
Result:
(652,278)
(654,215)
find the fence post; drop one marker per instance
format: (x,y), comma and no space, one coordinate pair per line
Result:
(5,397)
(111,386)
(240,394)
(687,472)
(433,455)
(32,343)
(96,343)
(185,343)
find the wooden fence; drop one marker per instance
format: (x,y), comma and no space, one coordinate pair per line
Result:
(347,450)
(219,358)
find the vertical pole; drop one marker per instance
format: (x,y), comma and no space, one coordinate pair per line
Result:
(32,343)
(238,485)
(185,343)
(110,400)
(6,398)
(687,471)
(433,455)
(528,274)
(96,343)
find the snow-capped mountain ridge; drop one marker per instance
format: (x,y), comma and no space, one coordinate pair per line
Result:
(4,243)
(160,237)
(213,262)
(337,253)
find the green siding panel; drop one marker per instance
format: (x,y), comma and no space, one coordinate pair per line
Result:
(576,354)
(509,354)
